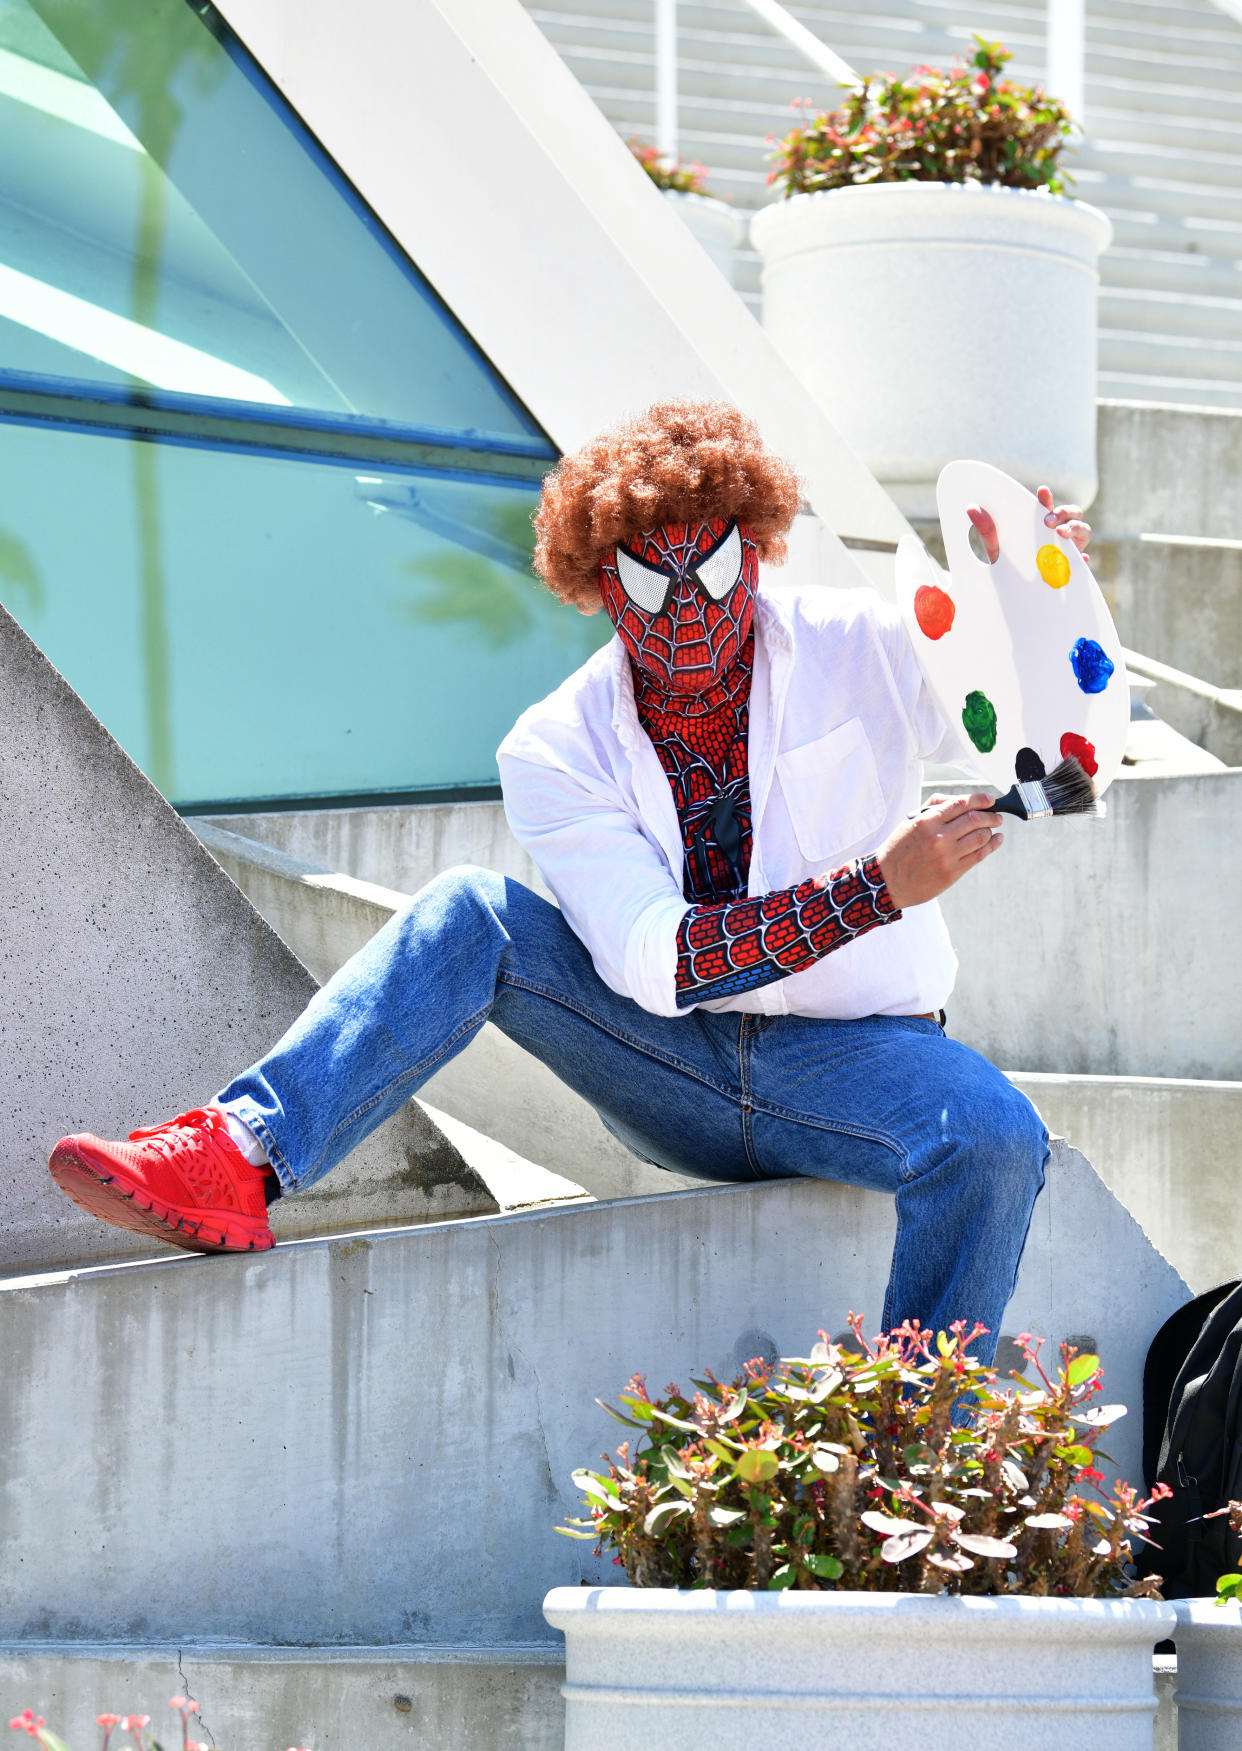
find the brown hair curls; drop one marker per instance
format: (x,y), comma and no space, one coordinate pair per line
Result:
(679,462)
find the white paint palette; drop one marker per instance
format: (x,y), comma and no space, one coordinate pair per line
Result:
(1022,655)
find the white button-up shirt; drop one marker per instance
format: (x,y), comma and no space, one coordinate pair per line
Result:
(840,722)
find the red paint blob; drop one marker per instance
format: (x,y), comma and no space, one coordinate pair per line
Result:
(1080,749)
(933,610)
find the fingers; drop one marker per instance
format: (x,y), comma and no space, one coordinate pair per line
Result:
(972,829)
(1077,531)
(951,808)
(994,843)
(985,523)
(1067,520)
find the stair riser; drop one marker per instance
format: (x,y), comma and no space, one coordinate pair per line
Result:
(1166,313)
(1160,356)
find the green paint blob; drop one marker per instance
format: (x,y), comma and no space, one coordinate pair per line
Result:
(979,719)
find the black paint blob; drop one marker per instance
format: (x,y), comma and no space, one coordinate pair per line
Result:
(1028,766)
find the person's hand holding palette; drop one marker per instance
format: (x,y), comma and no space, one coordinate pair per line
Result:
(1021,654)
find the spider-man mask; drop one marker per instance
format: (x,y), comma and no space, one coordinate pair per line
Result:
(682,598)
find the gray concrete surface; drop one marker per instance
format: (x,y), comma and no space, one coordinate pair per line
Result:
(502,1699)
(1108,947)
(1168,1149)
(1210,716)
(370,1440)
(1178,598)
(136,978)
(493,1085)
(334,1699)
(1169,470)
(1089,947)
(398,847)
(515,1183)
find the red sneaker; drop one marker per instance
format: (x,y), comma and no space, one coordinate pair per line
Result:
(185,1182)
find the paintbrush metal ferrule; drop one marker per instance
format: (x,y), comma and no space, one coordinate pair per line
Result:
(1034,800)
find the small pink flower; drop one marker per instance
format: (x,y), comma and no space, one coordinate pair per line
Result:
(107,1720)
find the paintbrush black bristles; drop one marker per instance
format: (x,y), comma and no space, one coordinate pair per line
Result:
(1066,790)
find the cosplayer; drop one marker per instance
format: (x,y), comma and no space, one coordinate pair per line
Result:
(747,972)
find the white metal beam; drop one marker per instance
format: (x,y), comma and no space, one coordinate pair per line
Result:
(465,132)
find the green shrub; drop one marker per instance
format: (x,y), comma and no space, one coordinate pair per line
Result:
(899,1467)
(968,124)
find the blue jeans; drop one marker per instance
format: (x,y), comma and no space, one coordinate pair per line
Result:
(887,1103)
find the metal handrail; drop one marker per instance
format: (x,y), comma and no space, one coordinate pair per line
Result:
(819,54)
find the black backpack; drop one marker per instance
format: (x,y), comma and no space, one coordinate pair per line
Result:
(1192,1441)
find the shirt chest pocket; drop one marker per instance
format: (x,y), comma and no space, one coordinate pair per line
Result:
(833,793)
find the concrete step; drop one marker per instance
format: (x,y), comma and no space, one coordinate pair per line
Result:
(1169,471)
(1208,715)
(1167,97)
(1186,315)
(1204,393)
(1172,356)
(1159,191)
(1171,271)
(1217,239)
(374,1436)
(1178,595)
(1109,121)
(472,1699)
(1130,155)
(334,1698)
(1166,1148)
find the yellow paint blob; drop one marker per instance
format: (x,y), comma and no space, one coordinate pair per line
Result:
(1054,566)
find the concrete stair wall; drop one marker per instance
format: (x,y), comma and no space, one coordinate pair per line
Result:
(137,980)
(1162,154)
(376,1435)
(1168,549)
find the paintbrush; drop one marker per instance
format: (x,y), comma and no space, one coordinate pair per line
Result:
(1066,790)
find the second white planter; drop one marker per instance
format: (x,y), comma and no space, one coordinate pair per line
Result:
(940,320)
(738,1671)
(713,223)
(1209,1675)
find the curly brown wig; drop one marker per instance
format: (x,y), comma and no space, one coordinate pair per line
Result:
(679,462)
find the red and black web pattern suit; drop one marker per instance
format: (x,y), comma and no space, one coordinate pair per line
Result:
(682,599)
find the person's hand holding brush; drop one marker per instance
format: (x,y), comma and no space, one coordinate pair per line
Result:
(930,852)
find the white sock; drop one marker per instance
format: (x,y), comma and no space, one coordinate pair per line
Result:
(244,1138)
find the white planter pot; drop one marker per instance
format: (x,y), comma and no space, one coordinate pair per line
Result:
(715,225)
(743,1671)
(940,320)
(1209,1675)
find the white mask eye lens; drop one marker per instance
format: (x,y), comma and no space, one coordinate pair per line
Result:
(644,587)
(720,570)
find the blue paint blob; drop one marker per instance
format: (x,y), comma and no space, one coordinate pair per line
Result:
(1092,665)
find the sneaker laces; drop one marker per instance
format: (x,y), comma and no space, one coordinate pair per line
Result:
(180,1143)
